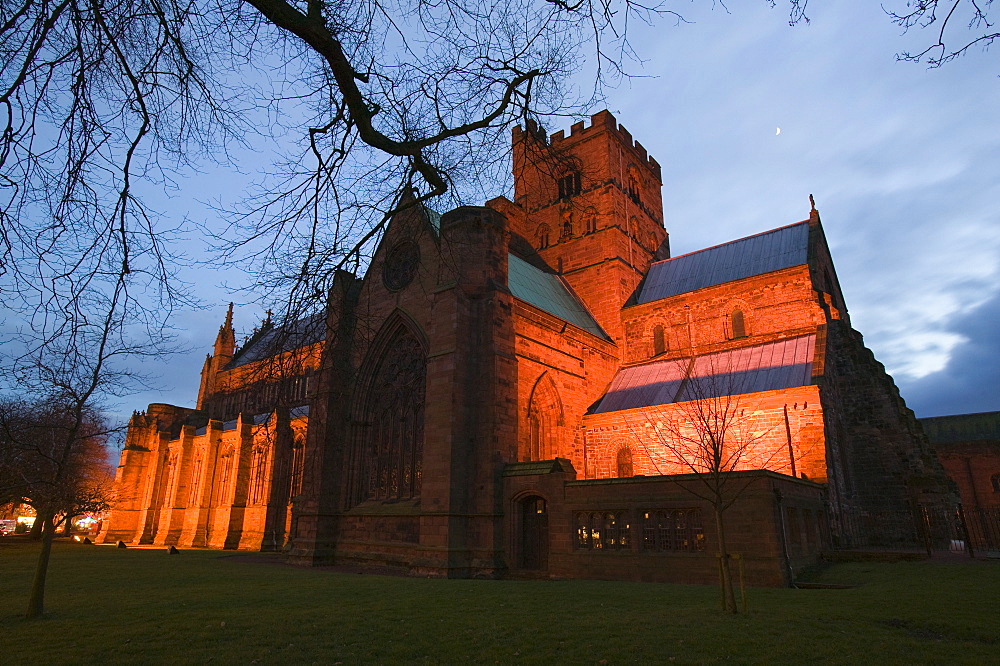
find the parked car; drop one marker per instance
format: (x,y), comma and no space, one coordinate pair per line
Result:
(7,527)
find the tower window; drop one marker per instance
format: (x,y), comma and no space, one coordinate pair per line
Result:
(633,186)
(542,236)
(569,185)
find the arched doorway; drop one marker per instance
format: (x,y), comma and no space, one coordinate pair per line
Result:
(533,551)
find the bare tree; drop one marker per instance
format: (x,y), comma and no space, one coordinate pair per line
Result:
(100,100)
(104,101)
(712,430)
(956,26)
(81,348)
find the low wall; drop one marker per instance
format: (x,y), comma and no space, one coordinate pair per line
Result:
(659,529)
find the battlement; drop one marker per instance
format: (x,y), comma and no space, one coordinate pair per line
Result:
(600,121)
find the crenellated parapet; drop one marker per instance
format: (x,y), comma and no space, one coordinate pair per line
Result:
(599,122)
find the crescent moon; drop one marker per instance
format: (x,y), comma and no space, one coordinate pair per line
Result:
(777,132)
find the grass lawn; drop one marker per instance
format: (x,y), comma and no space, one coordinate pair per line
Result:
(105,605)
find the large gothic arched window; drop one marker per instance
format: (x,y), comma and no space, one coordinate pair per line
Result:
(391,445)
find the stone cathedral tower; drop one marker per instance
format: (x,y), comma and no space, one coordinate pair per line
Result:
(593,210)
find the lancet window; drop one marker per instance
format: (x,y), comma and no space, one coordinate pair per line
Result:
(624,463)
(659,340)
(542,236)
(226,462)
(298,466)
(738,323)
(195,484)
(258,475)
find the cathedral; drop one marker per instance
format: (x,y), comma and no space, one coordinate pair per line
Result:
(537,388)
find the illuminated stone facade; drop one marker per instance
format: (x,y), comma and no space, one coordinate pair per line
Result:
(495,396)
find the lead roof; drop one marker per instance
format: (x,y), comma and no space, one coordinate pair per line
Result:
(549,293)
(754,255)
(767,367)
(277,339)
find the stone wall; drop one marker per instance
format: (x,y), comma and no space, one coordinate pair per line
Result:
(776,305)
(776,524)
(886,461)
(757,424)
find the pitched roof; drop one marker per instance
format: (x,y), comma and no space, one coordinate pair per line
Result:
(766,367)
(549,293)
(962,427)
(278,339)
(754,255)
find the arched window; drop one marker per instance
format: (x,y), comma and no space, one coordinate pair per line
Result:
(589,221)
(567,230)
(542,236)
(534,435)
(602,530)
(298,466)
(195,484)
(738,325)
(616,531)
(544,415)
(633,185)
(226,461)
(392,434)
(258,475)
(625,463)
(659,340)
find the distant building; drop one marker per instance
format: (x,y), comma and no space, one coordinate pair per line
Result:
(495,396)
(968,446)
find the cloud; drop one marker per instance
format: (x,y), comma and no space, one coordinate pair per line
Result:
(968,383)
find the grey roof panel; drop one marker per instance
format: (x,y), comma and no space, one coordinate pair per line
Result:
(278,339)
(549,293)
(767,367)
(770,251)
(298,412)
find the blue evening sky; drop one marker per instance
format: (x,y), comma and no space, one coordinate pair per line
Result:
(902,160)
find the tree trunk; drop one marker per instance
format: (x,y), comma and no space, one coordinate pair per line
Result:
(36,527)
(725,574)
(36,603)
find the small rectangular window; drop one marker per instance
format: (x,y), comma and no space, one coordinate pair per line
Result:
(672,530)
